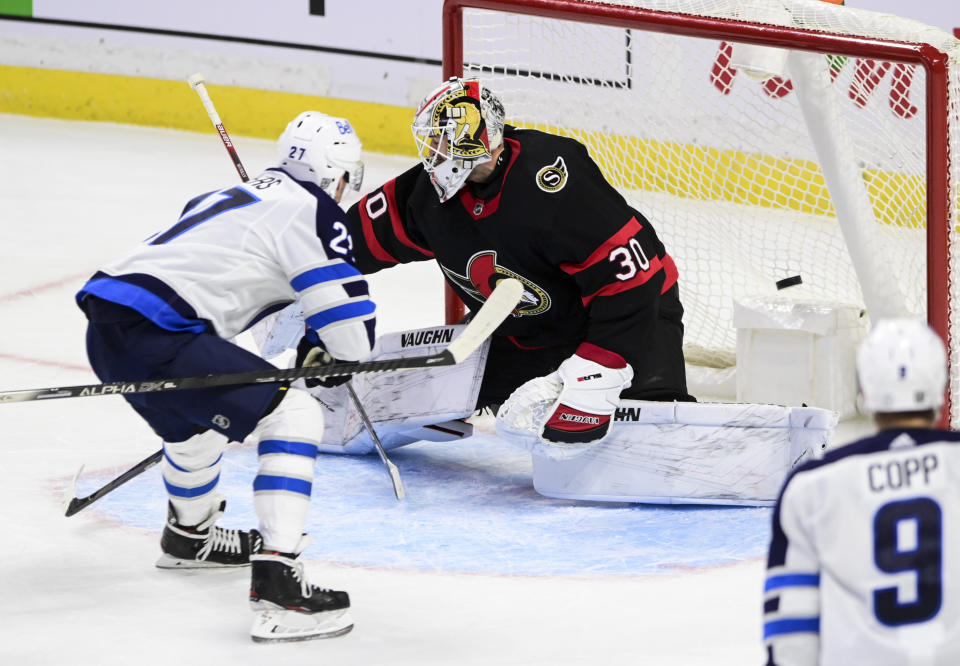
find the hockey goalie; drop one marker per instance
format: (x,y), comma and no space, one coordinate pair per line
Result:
(599,327)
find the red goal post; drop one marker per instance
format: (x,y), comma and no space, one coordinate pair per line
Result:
(821,29)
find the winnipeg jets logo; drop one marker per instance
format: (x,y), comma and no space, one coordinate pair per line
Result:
(482,275)
(553,177)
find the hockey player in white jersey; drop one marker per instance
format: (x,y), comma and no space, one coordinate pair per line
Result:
(862,567)
(169,309)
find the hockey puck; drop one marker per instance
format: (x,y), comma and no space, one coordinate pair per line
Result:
(789,282)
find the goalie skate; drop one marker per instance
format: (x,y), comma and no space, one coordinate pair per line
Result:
(204,546)
(289,607)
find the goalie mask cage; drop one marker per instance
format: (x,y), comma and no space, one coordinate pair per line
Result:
(763,139)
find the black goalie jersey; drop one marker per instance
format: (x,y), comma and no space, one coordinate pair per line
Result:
(592,267)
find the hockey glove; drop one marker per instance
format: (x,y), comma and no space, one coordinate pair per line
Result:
(592,380)
(311,352)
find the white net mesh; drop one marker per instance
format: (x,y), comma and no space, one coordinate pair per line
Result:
(729,166)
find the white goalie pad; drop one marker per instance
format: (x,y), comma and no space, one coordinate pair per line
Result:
(280,331)
(405,406)
(681,453)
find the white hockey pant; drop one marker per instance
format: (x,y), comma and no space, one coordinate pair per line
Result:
(287,447)
(191,471)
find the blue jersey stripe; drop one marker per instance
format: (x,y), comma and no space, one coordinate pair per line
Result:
(340,313)
(143,301)
(173,464)
(283,446)
(791,625)
(314,276)
(267,482)
(791,580)
(188,471)
(179,491)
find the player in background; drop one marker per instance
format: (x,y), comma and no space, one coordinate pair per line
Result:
(601,307)
(860,568)
(169,309)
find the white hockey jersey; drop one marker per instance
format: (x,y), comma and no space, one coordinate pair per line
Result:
(864,562)
(238,254)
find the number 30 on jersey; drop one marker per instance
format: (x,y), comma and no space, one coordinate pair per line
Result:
(631,258)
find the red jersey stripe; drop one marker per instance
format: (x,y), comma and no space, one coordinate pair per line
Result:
(390,190)
(642,277)
(672,274)
(370,237)
(628,231)
(488,208)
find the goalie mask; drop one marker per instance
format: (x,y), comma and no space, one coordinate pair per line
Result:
(456,128)
(320,149)
(902,367)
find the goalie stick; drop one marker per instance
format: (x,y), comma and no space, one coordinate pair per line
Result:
(197,82)
(498,306)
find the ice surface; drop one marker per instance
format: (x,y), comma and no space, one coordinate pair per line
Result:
(472,568)
(470,508)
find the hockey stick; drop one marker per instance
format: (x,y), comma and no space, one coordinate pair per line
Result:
(392,470)
(75,504)
(498,306)
(197,82)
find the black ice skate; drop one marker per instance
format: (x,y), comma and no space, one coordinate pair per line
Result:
(290,608)
(204,546)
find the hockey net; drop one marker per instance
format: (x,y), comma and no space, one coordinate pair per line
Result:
(762,139)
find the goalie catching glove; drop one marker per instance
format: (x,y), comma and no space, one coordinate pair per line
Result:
(311,352)
(592,380)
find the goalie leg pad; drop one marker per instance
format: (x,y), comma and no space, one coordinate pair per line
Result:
(682,453)
(401,404)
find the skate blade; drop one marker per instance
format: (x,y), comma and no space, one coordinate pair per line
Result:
(166,561)
(283,626)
